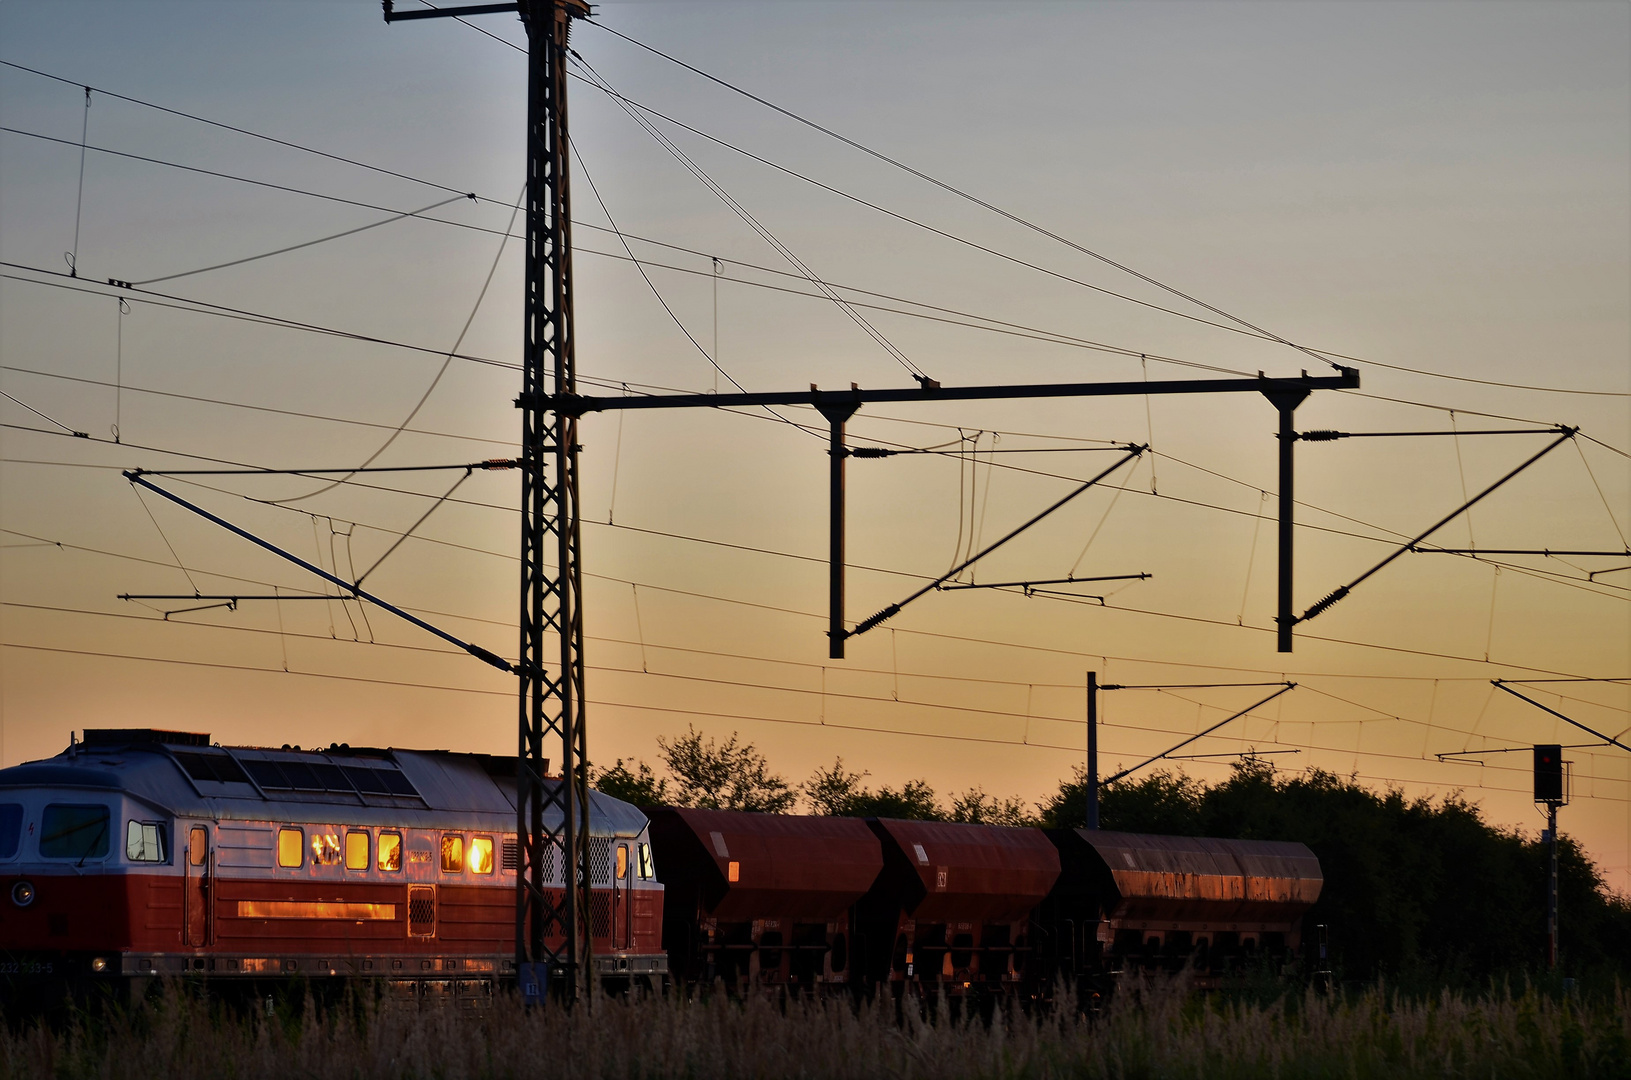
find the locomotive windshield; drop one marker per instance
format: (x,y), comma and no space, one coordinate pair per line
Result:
(74,832)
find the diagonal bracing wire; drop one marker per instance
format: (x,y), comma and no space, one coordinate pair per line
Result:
(354,589)
(1410,545)
(893,609)
(42,416)
(1286,688)
(1500,684)
(307,243)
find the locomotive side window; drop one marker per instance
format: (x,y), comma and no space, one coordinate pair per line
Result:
(74,832)
(11,829)
(291,847)
(198,845)
(144,841)
(325,849)
(389,853)
(356,851)
(647,870)
(481,854)
(622,861)
(452,854)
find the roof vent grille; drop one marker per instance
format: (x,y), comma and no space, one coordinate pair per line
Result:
(118,736)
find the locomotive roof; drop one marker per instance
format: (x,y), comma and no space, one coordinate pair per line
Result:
(183,773)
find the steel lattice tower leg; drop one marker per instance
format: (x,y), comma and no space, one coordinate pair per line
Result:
(552,818)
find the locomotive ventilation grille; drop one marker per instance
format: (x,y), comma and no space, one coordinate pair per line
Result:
(600,860)
(600,913)
(421,910)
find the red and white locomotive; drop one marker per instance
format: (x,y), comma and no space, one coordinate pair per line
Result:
(139,853)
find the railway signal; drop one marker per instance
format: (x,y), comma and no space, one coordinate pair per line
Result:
(1552,790)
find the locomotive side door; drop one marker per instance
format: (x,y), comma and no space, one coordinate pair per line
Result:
(197,885)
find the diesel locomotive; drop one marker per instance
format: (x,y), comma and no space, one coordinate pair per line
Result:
(136,854)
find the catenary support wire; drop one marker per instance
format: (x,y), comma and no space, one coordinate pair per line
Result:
(1286,688)
(1410,545)
(135,476)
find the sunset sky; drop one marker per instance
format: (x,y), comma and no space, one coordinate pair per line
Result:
(1439,193)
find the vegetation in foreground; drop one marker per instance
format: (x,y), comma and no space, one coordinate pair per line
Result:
(1155,1034)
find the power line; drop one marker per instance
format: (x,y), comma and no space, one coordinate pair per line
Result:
(1541,574)
(205,307)
(299,414)
(232,128)
(1319,354)
(1046,595)
(753,223)
(920,633)
(960,193)
(1322,353)
(710,714)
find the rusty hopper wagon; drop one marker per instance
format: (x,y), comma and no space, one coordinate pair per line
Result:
(762,900)
(951,911)
(1127,901)
(775,903)
(141,853)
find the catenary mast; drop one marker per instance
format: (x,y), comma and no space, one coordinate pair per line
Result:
(552,926)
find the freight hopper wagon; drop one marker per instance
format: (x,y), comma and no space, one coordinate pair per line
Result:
(1127,901)
(762,901)
(952,911)
(142,853)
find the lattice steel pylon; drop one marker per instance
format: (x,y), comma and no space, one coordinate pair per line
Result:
(553,926)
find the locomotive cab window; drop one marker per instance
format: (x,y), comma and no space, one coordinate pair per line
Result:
(452,854)
(647,870)
(74,832)
(144,841)
(291,847)
(481,854)
(11,829)
(622,861)
(356,850)
(388,855)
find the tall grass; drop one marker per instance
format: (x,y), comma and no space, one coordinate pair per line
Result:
(1156,1033)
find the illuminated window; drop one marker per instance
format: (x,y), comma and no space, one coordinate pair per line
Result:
(291,847)
(481,854)
(647,870)
(325,849)
(198,845)
(734,871)
(356,851)
(144,841)
(622,861)
(388,856)
(452,854)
